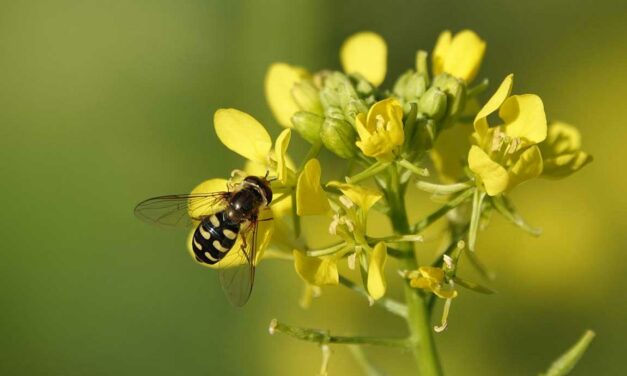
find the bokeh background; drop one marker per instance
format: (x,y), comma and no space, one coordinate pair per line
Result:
(103,104)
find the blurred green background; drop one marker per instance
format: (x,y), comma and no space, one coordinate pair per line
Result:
(106,103)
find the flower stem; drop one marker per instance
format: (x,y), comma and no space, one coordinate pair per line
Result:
(455,202)
(324,337)
(421,335)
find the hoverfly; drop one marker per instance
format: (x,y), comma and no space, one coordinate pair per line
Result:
(226,216)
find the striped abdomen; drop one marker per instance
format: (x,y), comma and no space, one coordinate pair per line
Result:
(214,237)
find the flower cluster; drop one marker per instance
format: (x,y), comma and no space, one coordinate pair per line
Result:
(390,140)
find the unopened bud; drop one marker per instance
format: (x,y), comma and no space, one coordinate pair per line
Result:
(307,97)
(308,125)
(433,103)
(455,90)
(410,86)
(339,137)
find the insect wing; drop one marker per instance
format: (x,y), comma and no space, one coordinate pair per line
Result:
(238,274)
(180,210)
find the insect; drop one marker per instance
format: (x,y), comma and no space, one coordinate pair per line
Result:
(226,215)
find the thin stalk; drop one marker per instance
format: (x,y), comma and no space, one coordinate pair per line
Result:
(324,337)
(418,317)
(313,152)
(455,202)
(369,172)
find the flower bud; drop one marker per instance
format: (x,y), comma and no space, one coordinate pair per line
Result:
(410,86)
(339,137)
(455,90)
(308,125)
(307,97)
(433,103)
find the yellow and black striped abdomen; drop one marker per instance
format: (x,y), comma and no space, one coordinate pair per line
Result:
(214,237)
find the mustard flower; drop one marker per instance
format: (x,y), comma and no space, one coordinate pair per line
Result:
(561,151)
(459,55)
(431,279)
(230,124)
(507,155)
(381,131)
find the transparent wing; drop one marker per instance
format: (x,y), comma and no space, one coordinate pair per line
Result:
(180,210)
(238,275)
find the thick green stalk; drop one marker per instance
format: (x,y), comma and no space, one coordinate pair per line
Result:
(418,317)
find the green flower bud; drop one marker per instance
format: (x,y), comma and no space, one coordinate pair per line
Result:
(354,107)
(433,103)
(339,137)
(307,97)
(455,90)
(308,125)
(410,86)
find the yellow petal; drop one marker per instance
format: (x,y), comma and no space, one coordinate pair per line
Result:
(317,271)
(432,273)
(493,175)
(444,293)
(310,198)
(524,118)
(464,55)
(561,138)
(376,271)
(363,197)
(365,53)
(208,186)
(279,81)
(420,283)
(493,104)
(440,51)
(563,165)
(243,134)
(280,150)
(450,148)
(527,166)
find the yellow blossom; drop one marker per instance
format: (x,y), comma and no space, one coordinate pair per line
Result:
(310,198)
(381,131)
(562,152)
(365,53)
(244,135)
(361,196)
(507,155)
(316,271)
(376,283)
(431,279)
(280,79)
(458,55)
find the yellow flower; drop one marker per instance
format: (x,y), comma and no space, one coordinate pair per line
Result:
(361,196)
(381,131)
(458,55)
(376,283)
(316,271)
(280,79)
(244,135)
(365,53)
(310,197)
(562,151)
(264,231)
(431,279)
(507,155)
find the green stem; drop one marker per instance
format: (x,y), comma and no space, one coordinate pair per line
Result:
(313,152)
(418,317)
(428,220)
(324,337)
(370,171)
